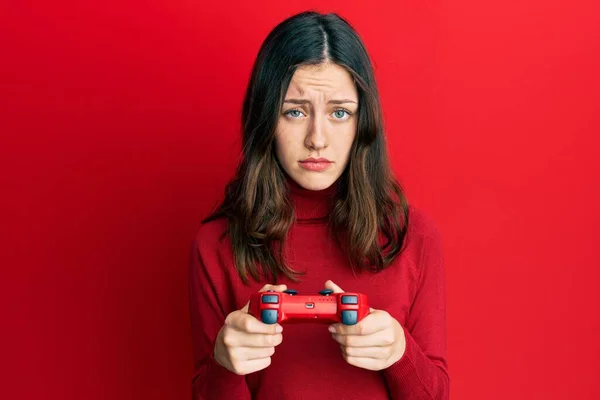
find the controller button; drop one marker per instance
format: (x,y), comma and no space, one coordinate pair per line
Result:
(349,299)
(349,317)
(269,316)
(326,292)
(291,292)
(270,298)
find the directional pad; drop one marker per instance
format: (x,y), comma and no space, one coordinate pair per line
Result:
(270,299)
(349,317)
(268,316)
(349,299)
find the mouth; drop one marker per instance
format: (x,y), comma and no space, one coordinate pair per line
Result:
(315,164)
(316,160)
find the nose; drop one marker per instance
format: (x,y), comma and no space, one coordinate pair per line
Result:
(316,138)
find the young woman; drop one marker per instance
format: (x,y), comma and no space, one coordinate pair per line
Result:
(314,205)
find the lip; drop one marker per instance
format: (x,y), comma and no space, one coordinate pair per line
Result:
(315,164)
(316,160)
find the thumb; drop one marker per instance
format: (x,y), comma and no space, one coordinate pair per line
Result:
(245,308)
(336,289)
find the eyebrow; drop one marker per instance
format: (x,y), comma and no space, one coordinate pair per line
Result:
(303,101)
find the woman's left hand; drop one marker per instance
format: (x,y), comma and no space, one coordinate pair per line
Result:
(374,343)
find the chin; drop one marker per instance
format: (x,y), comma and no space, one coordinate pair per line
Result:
(316,181)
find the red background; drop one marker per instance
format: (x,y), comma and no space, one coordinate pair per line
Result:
(119,128)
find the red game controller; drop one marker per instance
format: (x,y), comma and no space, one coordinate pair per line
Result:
(273,307)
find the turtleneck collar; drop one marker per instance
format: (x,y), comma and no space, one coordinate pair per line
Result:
(311,205)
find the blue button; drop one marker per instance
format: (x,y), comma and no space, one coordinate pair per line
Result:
(349,317)
(269,316)
(349,300)
(270,298)
(326,292)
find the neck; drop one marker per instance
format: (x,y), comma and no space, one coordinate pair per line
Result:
(311,205)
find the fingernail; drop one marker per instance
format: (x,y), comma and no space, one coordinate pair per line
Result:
(279,329)
(331,329)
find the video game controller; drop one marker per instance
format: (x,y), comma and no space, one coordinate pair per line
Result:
(273,307)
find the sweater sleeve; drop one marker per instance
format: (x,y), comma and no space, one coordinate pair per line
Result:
(421,372)
(210,379)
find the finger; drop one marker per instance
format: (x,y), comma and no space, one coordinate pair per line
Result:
(256,340)
(252,353)
(383,338)
(247,323)
(245,308)
(378,353)
(250,366)
(330,285)
(235,338)
(277,288)
(376,321)
(372,364)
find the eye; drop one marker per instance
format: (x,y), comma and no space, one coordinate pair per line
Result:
(341,114)
(294,113)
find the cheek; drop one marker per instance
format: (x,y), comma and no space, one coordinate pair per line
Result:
(289,140)
(283,148)
(344,140)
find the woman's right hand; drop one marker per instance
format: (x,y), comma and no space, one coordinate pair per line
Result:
(245,344)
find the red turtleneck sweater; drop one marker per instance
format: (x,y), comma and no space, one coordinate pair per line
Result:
(308,363)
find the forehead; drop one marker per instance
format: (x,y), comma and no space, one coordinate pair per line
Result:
(328,78)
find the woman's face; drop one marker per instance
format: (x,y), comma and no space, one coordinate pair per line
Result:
(317,125)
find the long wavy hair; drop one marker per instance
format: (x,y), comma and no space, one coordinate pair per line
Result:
(369,203)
